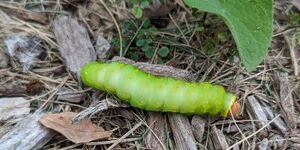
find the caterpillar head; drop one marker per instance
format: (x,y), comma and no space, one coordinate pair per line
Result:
(88,73)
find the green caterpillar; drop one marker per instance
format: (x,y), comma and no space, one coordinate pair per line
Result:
(154,93)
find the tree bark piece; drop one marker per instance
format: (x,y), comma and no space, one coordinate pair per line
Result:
(296,3)
(69,95)
(3,60)
(286,101)
(25,14)
(74,43)
(23,50)
(13,89)
(263,145)
(28,134)
(263,112)
(102,47)
(219,139)
(13,107)
(182,132)
(278,123)
(156,139)
(256,111)
(160,70)
(5,129)
(198,126)
(277,141)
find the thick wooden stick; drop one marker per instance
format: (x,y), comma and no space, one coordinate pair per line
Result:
(28,134)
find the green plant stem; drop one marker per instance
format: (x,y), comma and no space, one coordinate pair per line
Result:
(127,47)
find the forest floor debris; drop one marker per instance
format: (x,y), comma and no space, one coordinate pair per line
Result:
(44,44)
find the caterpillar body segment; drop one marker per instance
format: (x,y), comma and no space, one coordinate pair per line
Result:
(155,93)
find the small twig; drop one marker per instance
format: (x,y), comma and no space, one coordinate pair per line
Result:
(113,141)
(125,135)
(155,52)
(152,132)
(100,143)
(172,19)
(53,94)
(241,141)
(117,25)
(133,38)
(285,31)
(234,121)
(292,51)
(101,106)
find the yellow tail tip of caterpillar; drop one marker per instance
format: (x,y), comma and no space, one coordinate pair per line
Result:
(229,103)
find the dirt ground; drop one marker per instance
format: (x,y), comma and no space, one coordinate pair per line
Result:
(44,43)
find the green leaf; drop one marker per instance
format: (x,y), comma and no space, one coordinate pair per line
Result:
(149,53)
(160,61)
(145,4)
(146,48)
(210,46)
(146,23)
(135,56)
(140,42)
(250,22)
(137,11)
(222,37)
(141,33)
(149,41)
(163,51)
(294,18)
(134,1)
(152,30)
(296,39)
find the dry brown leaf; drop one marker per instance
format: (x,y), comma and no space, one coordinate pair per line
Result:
(82,132)
(34,87)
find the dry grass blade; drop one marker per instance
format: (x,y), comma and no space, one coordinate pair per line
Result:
(125,135)
(116,24)
(256,132)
